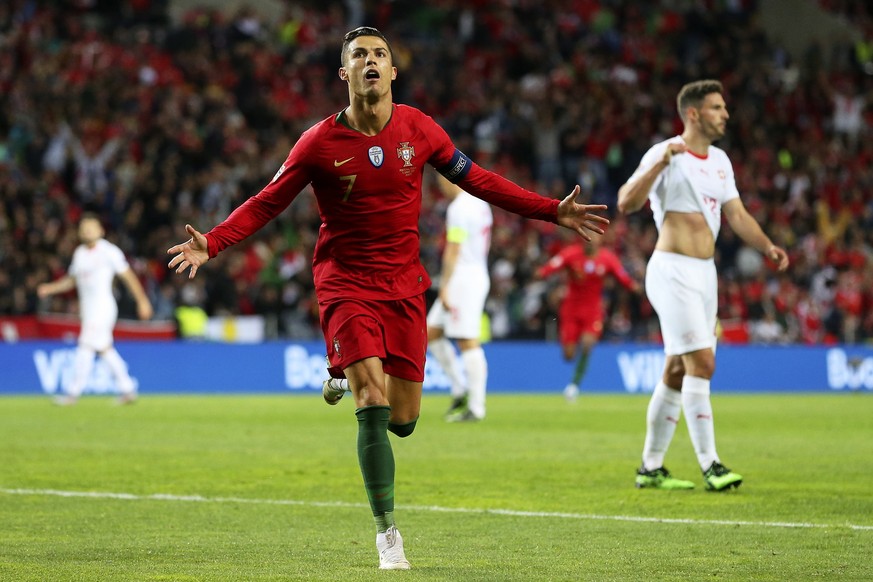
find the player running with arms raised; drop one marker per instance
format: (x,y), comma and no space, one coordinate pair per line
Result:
(580,316)
(365,166)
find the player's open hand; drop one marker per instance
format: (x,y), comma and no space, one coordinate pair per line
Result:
(192,253)
(581,217)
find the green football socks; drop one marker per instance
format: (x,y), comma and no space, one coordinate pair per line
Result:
(377,462)
(581,366)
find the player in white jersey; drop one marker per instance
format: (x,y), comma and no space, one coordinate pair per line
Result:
(95,264)
(689,184)
(457,312)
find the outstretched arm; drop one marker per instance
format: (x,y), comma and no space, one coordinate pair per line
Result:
(497,190)
(192,253)
(551,267)
(143,305)
(61,285)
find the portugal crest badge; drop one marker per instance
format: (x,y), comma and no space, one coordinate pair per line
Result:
(406,152)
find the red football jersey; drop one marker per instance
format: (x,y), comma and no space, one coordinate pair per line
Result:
(585,277)
(369,198)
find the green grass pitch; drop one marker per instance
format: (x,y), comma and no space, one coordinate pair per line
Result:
(267,488)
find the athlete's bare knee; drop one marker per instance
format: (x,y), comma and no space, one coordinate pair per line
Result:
(367,382)
(674,370)
(702,370)
(368,392)
(404,411)
(468,344)
(700,364)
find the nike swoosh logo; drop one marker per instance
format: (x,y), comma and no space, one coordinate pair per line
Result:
(337,164)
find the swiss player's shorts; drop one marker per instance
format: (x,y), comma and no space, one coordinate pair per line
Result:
(467,292)
(394,331)
(96,332)
(684,292)
(571,327)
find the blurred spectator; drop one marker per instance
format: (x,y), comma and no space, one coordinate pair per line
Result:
(767,330)
(190,315)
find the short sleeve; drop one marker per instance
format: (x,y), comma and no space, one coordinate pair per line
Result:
(117,260)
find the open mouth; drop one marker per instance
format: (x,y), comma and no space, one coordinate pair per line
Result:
(371,75)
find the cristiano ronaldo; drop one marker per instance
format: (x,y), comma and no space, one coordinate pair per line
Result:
(365,164)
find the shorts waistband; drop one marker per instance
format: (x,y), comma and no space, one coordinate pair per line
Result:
(677,257)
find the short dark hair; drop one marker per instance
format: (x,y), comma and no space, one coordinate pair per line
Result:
(90,215)
(363,31)
(693,94)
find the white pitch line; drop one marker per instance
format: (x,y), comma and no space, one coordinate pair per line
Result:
(433,508)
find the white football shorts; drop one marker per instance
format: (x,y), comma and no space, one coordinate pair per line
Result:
(96,332)
(684,292)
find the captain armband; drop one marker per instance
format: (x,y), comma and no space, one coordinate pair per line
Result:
(457,168)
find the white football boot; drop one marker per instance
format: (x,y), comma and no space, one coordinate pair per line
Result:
(334,389)
(390,546)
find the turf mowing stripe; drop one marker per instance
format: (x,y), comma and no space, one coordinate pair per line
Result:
(434,508)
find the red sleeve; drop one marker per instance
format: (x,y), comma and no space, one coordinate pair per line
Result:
(497,190)
(619,271)
(267,204)
(554,265)
(490,187)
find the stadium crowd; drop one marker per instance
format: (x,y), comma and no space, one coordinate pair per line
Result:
(113,107)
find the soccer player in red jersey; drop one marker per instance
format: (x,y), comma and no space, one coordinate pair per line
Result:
(580,316)
(365,166)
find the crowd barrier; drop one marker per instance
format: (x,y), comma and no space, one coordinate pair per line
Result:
(45,367)
(66,327)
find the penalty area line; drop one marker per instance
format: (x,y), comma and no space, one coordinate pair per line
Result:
(430,508)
